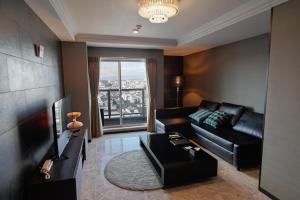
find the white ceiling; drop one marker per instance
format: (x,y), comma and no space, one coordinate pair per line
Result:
(118,17)
(256,25)
(200,24)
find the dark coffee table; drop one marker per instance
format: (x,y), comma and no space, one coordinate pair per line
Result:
(173,164)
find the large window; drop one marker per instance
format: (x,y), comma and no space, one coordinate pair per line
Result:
(122,92)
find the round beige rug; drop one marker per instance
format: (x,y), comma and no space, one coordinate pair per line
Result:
(133,171)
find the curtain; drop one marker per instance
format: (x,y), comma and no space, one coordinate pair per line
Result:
(94,71)
(151,78)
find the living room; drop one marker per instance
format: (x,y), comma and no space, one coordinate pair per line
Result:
(149,99)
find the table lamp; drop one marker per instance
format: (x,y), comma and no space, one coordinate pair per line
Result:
(74,124)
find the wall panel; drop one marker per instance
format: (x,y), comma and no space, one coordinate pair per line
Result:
(28,87)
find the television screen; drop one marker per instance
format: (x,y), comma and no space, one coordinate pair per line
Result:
(61,108)
(60,120)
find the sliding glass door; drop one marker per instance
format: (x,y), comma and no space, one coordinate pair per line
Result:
(109,92)
(122,92)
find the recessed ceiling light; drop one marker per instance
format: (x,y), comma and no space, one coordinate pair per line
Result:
(135,31)
(137,28)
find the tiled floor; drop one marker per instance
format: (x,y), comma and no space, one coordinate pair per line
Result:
(229,185)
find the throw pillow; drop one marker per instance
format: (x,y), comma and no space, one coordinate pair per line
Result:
(216,119)
(200,115)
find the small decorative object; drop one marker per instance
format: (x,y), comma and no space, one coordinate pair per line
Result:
(74,124)
(174,135)
(39,50)
(187,147)
(46,169)
(178,82)
(194,152)
(158,11)
(180,142)
(197,148)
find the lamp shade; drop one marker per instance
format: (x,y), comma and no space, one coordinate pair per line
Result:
(178,81)
(74,124)
(73,115)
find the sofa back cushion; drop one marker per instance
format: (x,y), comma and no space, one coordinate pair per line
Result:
(217,119)
(235,110)
(209,105)
(200,115)
(250,123)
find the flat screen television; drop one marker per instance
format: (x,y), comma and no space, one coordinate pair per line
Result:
(62,135)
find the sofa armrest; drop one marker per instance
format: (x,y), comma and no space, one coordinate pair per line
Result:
(174,112)
(247,155)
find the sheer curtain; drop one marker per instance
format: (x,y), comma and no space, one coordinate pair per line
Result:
(94,71)
(151,66)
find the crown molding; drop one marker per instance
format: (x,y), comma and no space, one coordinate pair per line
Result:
(65,16)
(245,11)
(109,40)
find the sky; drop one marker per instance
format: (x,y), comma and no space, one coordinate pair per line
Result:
(129,71)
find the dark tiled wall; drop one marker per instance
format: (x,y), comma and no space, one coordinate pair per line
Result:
(173,66)
(28,87)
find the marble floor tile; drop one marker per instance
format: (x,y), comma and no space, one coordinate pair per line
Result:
(230,184)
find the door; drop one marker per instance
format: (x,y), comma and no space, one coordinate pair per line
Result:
(123,92)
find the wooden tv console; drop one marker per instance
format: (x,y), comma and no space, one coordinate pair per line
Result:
(66,173)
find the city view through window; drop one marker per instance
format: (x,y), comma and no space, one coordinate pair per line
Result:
(123,92)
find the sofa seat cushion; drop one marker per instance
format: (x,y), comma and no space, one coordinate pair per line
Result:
(172,124)
(209,133)
(224,136)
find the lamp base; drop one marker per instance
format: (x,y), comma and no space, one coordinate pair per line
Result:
(74,125)
(75,130)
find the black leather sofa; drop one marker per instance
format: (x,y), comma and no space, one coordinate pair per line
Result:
(238,142)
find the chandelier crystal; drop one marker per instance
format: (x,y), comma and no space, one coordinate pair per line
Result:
(158,11)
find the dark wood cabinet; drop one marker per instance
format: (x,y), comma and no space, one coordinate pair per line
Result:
(66,174)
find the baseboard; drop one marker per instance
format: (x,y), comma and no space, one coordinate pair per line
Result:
(124,129)
(267,193)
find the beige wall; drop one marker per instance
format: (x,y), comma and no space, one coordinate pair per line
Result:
(234,73)
(76,82)
(137,53)
(280,173)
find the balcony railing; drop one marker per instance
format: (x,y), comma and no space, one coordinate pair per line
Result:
(131,110)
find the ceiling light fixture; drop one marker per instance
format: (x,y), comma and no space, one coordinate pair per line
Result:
(137,29)
(158,11)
